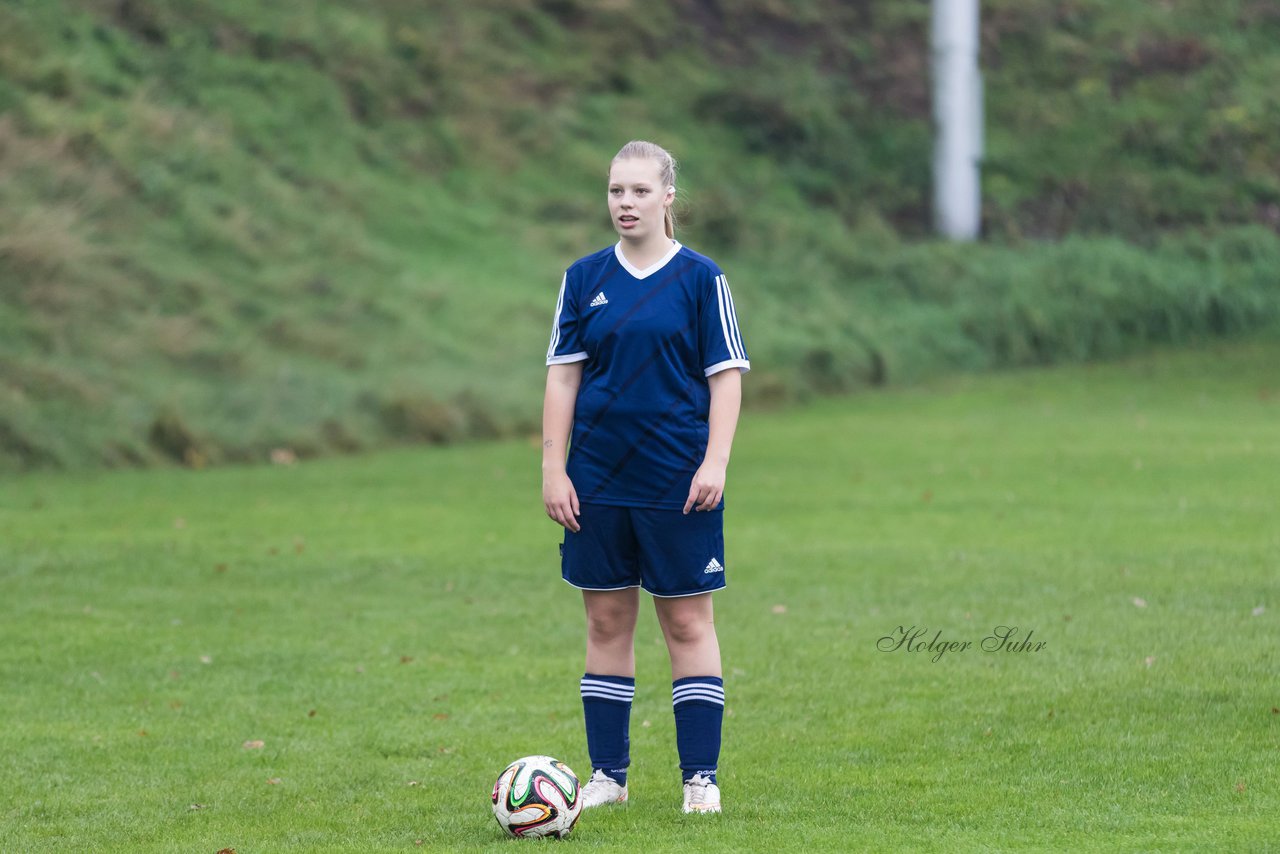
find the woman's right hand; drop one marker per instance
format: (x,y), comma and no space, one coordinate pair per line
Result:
(560,499)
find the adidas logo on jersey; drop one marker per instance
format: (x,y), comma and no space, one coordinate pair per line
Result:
(714,566)
(600,299)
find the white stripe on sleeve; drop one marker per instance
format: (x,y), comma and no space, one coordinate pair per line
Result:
(555,326)
(728,323)
(733,319)
(743,364)
(724,321)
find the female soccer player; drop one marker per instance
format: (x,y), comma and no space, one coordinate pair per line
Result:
(645,367)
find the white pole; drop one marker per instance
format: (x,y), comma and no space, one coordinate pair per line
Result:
(957,110)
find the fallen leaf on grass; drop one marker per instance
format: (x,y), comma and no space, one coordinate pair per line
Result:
(219,567)
(406,659)
(196,807)
(1258,611)
(274,781)
(779,609)
(255,744)
(311,714)
(283,457)
(646,723)
(440,716)
(227,851)
(1149,660)
(1139,602)
(206,659)
(413,783)
(1240,786)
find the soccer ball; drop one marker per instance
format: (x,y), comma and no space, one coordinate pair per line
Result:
(537,796)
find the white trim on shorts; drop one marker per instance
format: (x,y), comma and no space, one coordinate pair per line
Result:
(683,595)
(602,589)
(642,587)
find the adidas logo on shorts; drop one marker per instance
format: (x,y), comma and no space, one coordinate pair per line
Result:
(713,566)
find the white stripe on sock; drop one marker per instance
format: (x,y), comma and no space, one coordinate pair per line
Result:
(597,696)
(610,686)
(602,683)
(612,695)
(627,692)
(707,691)
(688,695)
(607,690)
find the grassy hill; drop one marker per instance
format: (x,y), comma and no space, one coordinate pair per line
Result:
(235,226)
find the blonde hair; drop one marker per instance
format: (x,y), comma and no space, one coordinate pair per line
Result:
(638,149)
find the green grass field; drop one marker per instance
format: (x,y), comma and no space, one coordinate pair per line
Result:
(392,630)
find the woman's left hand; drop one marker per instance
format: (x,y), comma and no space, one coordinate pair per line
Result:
(707,488)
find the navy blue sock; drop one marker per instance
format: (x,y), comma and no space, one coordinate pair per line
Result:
(606,706)
(699,709)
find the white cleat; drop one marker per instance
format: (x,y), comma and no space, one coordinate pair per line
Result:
(602,789)
(701,795)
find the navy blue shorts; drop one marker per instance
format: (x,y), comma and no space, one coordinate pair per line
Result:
(663,551)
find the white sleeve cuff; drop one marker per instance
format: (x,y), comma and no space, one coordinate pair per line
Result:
(745,364)
(565,360)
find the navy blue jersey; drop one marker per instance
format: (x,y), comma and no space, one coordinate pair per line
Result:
(649,340)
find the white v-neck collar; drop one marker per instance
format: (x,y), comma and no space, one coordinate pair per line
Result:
(652,268)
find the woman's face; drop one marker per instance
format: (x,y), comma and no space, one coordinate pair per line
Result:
(637,198)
